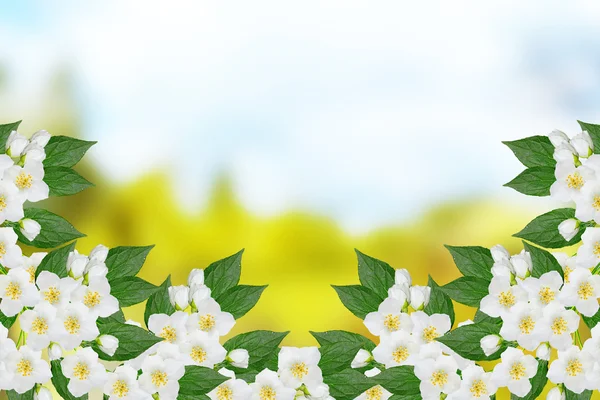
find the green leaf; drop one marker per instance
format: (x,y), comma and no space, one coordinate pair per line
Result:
(133,341)
(585,395)
(399,380)
(199,380)
(592,321)
(126,261)
(116,317)
(543,230)
(358,299)
(467,290)
(347,384)
(465,340)
(7,322)
(330,337)
(336,357)
(375,274)
(594,131)
(439,301)
(223,274)
(240,299)
(5,131)
(64,181)
(262,347)
(480,316)
(534,181)
(65,151)
(537,382)
(473,261)
(12,395)
(534,151)
(159,302)
(56,261)
(131,290)
(55,230)
(542,261)
(60,382)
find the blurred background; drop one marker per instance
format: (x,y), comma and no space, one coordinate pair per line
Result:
(299,131)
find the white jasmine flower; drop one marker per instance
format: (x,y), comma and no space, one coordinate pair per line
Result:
(490,344)
(198,292)
(437,376)
(399,348)
(556,394)
(55,291)
(37,323)
(96,297)
(84,371)
(372,372)
(33,152)
(11,205)
(16,292)
(180,297)
(558,324)
(543,352)
(502,297)
(299,366)
(29,228)
(388,318)
(375,393)
(55,352)
(571,368)
(41,138)
(419,296)
(588,255)
(514,371)
(558,137)
(427,328)
(234,389)
(202,349)
(75,324)
(171,328)
(582,291)
(31,263)
(99,253)
(161,376)
(522,324)
(570,180)
(568,228)
(76,264)
(122,384)
(476,384)
(402,277)
(210,319)
(15,144)
(582,142)
(108,344)
(196,277)
(361,359)
(27,368)
(522,264)
(591,346)
(29,180)
(267,385)
(587,207)
(239,358)
(42,393)
(10,252)
(465,323)
(544,290)
(566,153)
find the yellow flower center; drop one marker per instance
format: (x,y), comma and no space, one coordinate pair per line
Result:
(13,291)
(575,181)
(24,180)
(169,334)
(198,354)
(439,378)
(507,299)
(526,325)
(206,322)
(81,371)
(267,393)
(39,326)
(478,388)
(567,272)
(299,370)
(574,368)
(546,295)
(120,389)
(430,334)
(391,322)
(24,368)
(585,291)
(72,325)
(2,202)
(400,354)
(159,378)
(52,295)
(91,299)
(31,272)
(596,203)
(2,249)
(559,326)
(224,393)
(375,393)
(597,249)
(517,371)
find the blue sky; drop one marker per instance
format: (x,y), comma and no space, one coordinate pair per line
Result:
(365,111)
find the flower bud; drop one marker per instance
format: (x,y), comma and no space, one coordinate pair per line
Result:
(403,277)
(196,277)
(134,323)
(568,228)
(41,138)
(42,393)
(419,296)
(556,394)
(76,264)
(33,152)
(227,372)
(558,137)
(54,351)
(362,359)
(15,144)
(522,264)
(400,292)
(503,268)
(108,344)
(372,372)
(499,253)
(199,293)
(466,322)
(239,358)
(490,344)
(543,352)
(99,253)
(582,142)
(180,297)
(30,228)
(95,269)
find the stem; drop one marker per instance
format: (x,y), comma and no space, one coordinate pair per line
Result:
(577,340)
(21,337)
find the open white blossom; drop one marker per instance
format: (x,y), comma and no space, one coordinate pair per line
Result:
(571,368)
(514,371)
(582,291)
(437,376)
(84,371)
(476,384)
(210,319)
(17,291)
(427,328)
(400,348)
(502,297)
(298,366)
(388,318)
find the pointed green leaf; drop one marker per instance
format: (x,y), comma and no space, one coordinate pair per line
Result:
(65,151)
(358,299)
(439,301)
(131,290)
(64,181)
(467,290)
(5,131)
(55,230)
(223,274)
(125,261)
(240,299)
(542,261)
(543,230)
(534,181)
(474,261)
(159,302)
(534,151)
(375,274)
(56,261)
